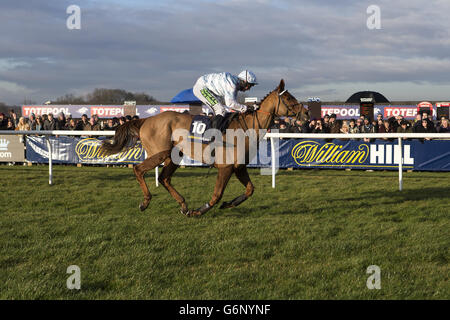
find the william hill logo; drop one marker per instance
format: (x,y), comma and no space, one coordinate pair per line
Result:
(311,152)
(88,150)
(4,145)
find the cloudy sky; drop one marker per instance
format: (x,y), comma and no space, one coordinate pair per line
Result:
(320,47)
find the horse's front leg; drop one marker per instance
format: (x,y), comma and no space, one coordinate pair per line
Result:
(223,177)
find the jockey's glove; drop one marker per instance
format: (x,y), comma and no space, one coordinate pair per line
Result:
(252,108)
(243,109)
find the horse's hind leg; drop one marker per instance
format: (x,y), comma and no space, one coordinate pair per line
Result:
(242,174)
(166,175)
(142,168)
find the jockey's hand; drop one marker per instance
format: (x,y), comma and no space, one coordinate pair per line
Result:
(243,109)
(252,108)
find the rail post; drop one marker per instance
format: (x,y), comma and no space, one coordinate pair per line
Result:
(50,162)
(400,166)
(272,152)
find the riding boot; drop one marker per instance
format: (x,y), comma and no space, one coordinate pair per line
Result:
(217,122)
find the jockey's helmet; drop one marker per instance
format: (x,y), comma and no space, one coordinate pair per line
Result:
(248,77)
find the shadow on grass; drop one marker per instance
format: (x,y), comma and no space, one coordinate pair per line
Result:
(206,171)
(371,199)
(107,173)
(416,194)
(151,175)
(361,173)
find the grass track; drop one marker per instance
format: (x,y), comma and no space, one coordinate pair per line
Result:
(311,238)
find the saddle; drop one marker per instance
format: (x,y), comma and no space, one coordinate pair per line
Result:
(200,124)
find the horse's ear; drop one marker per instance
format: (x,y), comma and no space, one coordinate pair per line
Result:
(281,86)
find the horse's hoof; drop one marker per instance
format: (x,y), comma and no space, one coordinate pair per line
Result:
(184,212)
(143,206)
(225,205)
(193,213)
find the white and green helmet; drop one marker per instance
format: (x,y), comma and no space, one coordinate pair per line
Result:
(248,77)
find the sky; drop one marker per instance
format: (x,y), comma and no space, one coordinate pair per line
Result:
(321,48)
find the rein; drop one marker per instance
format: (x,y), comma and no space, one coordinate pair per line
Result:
(271,114)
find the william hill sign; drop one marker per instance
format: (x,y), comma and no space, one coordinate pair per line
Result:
(79,150)
(423,155)
(349,154)
(89,151)
(308,152)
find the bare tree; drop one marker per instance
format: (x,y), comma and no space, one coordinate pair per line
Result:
(70,99)
(27,101)
(107,96)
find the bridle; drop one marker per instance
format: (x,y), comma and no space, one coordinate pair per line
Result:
(290,113)
(289,108)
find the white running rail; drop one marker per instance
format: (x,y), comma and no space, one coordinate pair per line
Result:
(399,136)
(271,136)
(47,135)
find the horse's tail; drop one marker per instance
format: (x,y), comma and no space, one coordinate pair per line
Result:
(125,138)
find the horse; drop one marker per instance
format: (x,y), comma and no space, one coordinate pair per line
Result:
(156,136)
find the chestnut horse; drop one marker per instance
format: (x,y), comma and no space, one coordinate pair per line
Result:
(156,135)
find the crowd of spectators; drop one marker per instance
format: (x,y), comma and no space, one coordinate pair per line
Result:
(60,122)
(423,123)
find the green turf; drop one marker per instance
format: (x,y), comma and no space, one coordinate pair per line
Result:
(311,238)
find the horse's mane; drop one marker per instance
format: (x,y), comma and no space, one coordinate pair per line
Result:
(265,97)
(259,103)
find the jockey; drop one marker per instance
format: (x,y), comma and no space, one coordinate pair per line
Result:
(219,91)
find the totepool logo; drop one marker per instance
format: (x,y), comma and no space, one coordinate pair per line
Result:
(311,152)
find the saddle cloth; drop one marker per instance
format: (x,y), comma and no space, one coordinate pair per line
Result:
(200,124)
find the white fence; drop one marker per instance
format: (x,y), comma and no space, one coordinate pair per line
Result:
(271,136)
(398,136)
(47,134)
